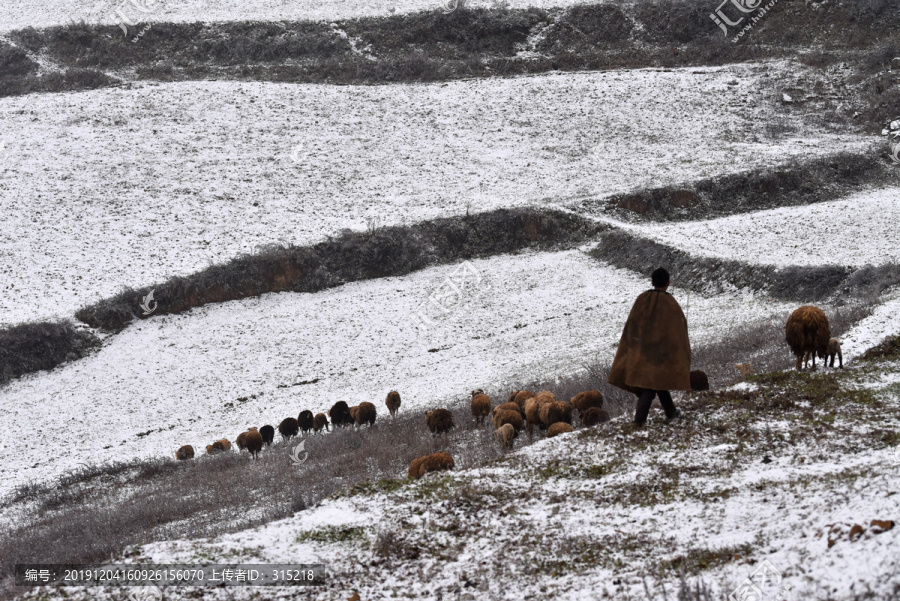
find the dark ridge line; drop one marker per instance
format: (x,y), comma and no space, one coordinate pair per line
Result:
(711,275)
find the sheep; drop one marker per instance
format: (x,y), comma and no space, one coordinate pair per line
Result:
(305,421)
(807,333)
(566,411)
(340,414)
(532,409)
(594,416)
(545,396)
(393,402)
(834,348)
(508,416)
(481,406)
(431,463)
(550,413)
(354,414)
(414,466)
(508,407)
(218,447)
(439,421)
(319,422)
(505,435)
(559,428)
(365,414)
(587,399)
(745,369)
(268,434)
(699,380)
(521,397)
(288,427)
(185,452)
(254,441)
(242,441)
(226,445)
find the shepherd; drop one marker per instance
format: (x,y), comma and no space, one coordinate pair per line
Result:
(654,354)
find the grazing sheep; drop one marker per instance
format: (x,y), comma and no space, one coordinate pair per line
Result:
(433,463)
(288,428)
(305,421)
(594,416)
(559,428)
(532,414)
(481,406)
(505,435)
(512,396)
(185,452)
(834,348)
(587,399)
(807,333)
(268,434)
(241,441)
(414,466)
(254,441)
(354,414)
(439,421)
(745,369)
(217,447)
(566,411)
(226,446)
(508,407)
(545,396)
(393,402)
(319,422)
(508,416)
(550,413)
(365,414)
(521,397)
(340,414)
(699,380)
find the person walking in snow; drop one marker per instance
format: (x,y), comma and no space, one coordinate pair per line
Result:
(654,354)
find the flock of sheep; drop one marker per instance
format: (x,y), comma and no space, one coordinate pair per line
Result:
(807,332)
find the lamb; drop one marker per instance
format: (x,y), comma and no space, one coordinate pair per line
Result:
(185,452)
(226,446)
(218,447)
(268,434)
(439,421)
(365,414)
(288,427)
(319,422)
(481,406)
(834,348)
(305,421)
(745,369)
(393,402)
(508,416)
(559,428)
(594,416)
(505,435)
(254,441)
(807,333)
(699,380)
(430,463)
(587,399)
(340,414)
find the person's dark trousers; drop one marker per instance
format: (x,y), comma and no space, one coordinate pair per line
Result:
(646,399)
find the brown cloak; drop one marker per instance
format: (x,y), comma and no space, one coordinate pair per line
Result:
(654,351)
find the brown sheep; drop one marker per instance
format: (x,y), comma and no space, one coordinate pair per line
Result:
(217,447)
(439,421)
(288,428)
(532,414)
(545,396)
(807,333)
(226,445)
(241,441)
(505,435)
(834,349)
(481,406)
(365,414)
(699,380)
(268,434)
(566,411)
(550,413)
(434,463)
(254,442)
(354,414)
(587,399)
(512,396)
(305,421)
(559,428)
(185,452)
(319,422)
(393,402)
(340,414)
(508,407)
(414,466)
(508,416)
(521,397)
(594,416)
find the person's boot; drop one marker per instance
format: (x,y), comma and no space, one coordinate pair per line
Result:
(676,415)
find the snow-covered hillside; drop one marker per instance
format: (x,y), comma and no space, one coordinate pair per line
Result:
(122,187)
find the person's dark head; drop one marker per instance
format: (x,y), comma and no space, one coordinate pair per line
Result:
(660,278)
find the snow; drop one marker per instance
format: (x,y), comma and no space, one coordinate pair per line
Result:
(532,315)
(883,322)
(125,187)
(857,230)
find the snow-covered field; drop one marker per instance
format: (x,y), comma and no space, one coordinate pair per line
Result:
(124,187)
(534,315)
(44,13)
(860,229)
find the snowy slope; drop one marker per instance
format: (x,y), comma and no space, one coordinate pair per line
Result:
(531,315)
(125,187)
